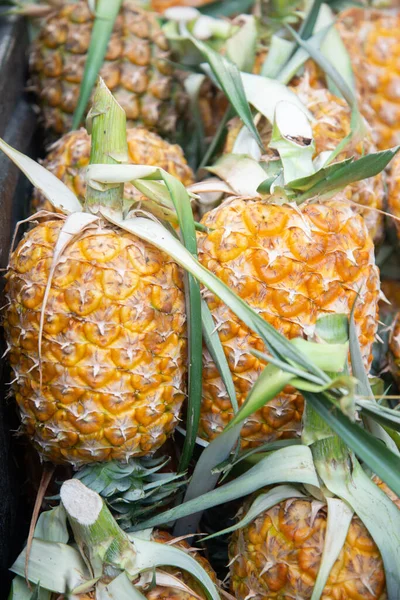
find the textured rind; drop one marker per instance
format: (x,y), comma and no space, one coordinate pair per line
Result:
(278,555)
(136,67)
(372,40)
(292,265)
(393,184)
(69,157)
(332,124)
(113,357)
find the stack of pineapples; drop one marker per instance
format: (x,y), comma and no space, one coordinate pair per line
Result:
(186,363)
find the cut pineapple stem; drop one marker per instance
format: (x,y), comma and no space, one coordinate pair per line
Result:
(96,532)
(106,122)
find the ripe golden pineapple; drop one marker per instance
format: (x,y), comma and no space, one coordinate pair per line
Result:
(372,40)
(70,156)
(95,322)
(136,67)
(278,556)
(109,380)
(292,265)
(332,124)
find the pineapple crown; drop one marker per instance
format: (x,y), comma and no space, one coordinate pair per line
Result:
(133,490)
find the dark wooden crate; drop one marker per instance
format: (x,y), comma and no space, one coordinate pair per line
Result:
(17,127)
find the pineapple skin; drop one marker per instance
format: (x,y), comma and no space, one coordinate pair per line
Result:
(332,124)
(372,41)
(292,265)
(289,539)
(136,67)
(113,353)
(69,157)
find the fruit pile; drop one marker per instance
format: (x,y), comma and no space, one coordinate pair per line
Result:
(201,314)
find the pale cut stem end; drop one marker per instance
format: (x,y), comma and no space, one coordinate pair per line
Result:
(80,502)
(96,532)
(106,122)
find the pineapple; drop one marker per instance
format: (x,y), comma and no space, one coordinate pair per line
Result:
(279,553)
(69,157)
(371,38)
(96,334)
(113,349)
(136,67)
(292,265)
(332,124)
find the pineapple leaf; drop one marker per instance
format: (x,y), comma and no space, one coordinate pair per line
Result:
(151,555)
(120,588)
(278,55)
(54,190)
(289,68)
(293,139)
(372,419)
(328,68)
(20,591)
(381,460)
(338,523)
(242,173)
(226,8)
(262,503)
(183,209)
(252,456)
(133,488)
(54,565)
(241,46)
(293,464)
(389,417)
(52,526)
(329,180)
(378,512)
(105,17)
(204,479)
(307,27)
(230,80)
(215,348)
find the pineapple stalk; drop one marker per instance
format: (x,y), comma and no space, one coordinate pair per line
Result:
(106,122)
(100,539)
